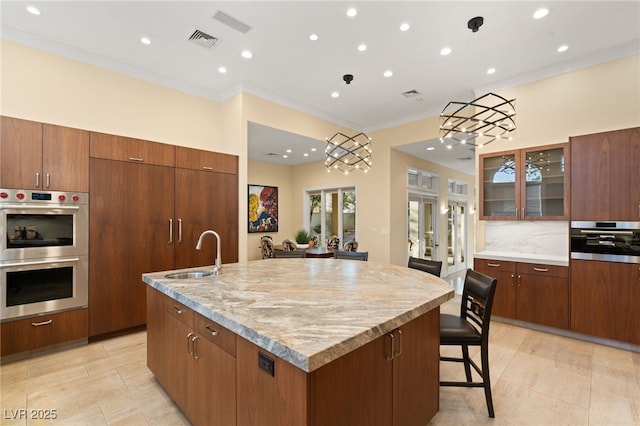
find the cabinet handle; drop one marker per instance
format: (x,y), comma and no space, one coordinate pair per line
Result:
(48,180)
(541,269)
(194,339)
(517,214)
(395,354)
(519,280)
(37,180)
(523,214)
(189,344)
(213,332)
(207,168)
(179,230)
(170,231)
(178,310)
(513,280)
(390,354)
(139,160)
(38,324)
(493,265)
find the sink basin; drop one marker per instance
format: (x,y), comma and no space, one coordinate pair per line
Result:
(190,274)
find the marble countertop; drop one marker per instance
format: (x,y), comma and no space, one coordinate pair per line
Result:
(546,259)
(308,312)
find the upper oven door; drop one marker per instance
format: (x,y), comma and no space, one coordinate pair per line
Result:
(42,231)
(608,241)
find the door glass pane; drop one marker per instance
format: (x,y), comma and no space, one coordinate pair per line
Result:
(451,236)
(413,229)
(429,249)
(315,215)
(544,177)
(348,216)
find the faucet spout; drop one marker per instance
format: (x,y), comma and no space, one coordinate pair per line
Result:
(216,267)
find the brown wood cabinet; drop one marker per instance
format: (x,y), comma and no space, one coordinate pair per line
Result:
(606,186)
(42,331)
(529,292)
(40,156)
(193,358)
(604,299)
(525,184)
(146,215)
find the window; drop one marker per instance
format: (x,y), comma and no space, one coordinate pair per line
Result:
(457,187)
(423,180)
(332,211)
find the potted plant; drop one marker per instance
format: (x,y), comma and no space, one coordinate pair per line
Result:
(302,238)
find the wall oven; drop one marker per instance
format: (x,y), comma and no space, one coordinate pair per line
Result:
(44,252)
(606,241)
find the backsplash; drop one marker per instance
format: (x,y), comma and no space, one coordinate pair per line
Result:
(528,237)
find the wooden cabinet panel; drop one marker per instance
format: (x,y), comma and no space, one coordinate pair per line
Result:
(42,331)
(216,334)
(605,187)
(20,153)
(196,159)
(121,148)
(65,158)
(604,299)
(129,235)
(543,295)
(504,300)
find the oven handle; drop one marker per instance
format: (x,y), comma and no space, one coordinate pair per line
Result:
(40,262)
(39,207)
(589,231)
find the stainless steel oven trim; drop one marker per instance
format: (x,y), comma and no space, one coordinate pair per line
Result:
(79,299)
(605,257)
(597,225)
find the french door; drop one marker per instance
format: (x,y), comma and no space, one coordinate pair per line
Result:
(422,226)
(456,236)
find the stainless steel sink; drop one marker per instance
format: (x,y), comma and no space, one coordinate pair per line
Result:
(190,274)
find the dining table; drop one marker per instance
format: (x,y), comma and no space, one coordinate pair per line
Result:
(313,252)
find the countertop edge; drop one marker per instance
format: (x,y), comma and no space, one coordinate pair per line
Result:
(553,260)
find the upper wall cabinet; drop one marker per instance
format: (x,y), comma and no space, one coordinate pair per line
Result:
(526,184)
(39,156)
(606,185)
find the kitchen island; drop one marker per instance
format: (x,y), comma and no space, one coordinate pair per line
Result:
(298,342)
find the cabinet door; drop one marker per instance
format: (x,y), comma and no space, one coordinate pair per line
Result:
(504,300)
(544,181)
(196,159)
(625,194)
(500,191)
(591,182)
(131,206)
(543,295)
(416,371)
(20,154)
(112,147)
(65,158)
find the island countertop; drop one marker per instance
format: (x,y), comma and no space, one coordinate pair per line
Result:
(308,312)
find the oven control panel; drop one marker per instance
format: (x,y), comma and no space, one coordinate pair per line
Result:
(28,196)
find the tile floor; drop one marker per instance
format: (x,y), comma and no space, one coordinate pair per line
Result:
(537,379)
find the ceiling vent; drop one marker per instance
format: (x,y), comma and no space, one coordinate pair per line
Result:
(202,39)
(232,22)
(411,93)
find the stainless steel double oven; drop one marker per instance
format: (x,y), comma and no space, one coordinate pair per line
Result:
(44,264)
(606,241)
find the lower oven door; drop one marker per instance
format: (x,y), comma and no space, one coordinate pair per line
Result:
(46,285)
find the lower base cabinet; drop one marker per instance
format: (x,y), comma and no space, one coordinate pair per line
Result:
(46,330)
(605,297)
(529,292)
(393,380)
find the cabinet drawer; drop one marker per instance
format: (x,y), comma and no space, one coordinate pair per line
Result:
(179,311)
(543,270)
(216,334)
(45,330)
(497,265)
(112,147)
(196,159)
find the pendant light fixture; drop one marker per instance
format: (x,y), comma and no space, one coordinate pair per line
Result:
(348,153)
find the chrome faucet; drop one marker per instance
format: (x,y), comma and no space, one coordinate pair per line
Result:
(216,268)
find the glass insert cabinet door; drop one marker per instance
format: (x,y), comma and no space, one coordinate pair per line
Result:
(529,184)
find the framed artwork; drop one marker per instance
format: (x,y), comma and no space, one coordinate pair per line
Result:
(263,208)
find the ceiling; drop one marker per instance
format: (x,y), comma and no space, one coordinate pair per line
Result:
(290,69)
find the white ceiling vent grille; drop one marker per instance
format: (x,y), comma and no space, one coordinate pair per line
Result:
(411,93)
(232,22)
(202,39)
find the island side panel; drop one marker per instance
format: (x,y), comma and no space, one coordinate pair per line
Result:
(266,400)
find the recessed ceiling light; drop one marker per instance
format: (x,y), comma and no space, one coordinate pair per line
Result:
(306,154)
(491,71)
(540,13)
(285,156)
(335,94)
(222,70)
(404,26)
(362,47)
(313,150)
(351,12)
(431,148)
(33,10)
(145,40)
(247,54)
(445,51)
(563,48)
(288,151)
(388,73)
(449,146)
(313,37)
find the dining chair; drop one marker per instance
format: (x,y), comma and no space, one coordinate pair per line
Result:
(288,245)
(279,254)
(266,246)
(471,328)
(351,255)
(433,267)
(351,245)
(333,242)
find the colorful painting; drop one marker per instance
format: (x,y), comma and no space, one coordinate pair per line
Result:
(263,208)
